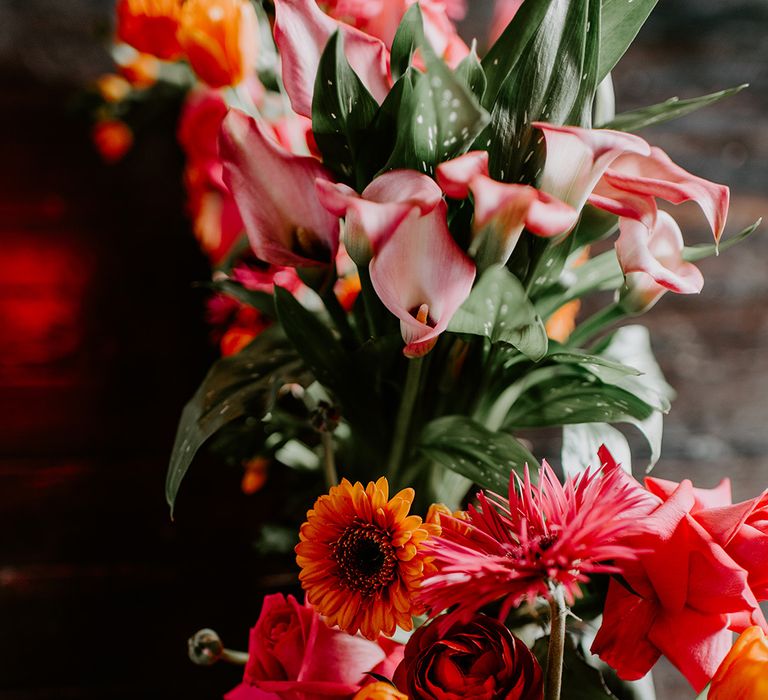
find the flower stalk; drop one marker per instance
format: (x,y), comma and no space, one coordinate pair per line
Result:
(410,391)
(558,617)
(329,459)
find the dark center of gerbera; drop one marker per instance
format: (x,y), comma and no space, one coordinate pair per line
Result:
(366,558)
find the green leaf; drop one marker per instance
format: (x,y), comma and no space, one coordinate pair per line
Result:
(499,309)
(621,21)
(409,36)
(582,441)
(673,108)
(505,54)
(589,362)
(261,301)
(236,386)
(342,111)
(699,252)
(551,82)
(563,401)
(468,448)
(470,72)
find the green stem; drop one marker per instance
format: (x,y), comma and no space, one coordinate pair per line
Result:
(404,414)
(370,301)
(594,324)
(238,658)
(559,614)
(338,314)
(329,460)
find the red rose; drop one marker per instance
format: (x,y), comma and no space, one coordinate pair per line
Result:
(701,571)
(294,655)
(480,659)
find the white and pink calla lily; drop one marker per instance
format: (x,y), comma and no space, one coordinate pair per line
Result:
(422,276)
(502,210)
(373,216)
(621,173)
(652,261)
(302,31)
(275,193)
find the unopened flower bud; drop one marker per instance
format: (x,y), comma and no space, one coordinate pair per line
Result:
(205,647)
(325,418)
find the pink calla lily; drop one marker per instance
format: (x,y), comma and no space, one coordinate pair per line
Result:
(502,210)
(275,193)
(422,276)
(373,216)
(302,31)
(652,261)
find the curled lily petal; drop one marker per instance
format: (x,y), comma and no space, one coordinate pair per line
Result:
(657,175)
(275,193)
(373,216)
(577,158)
(422,277)
(454,176)
(631,205)
(652,261)
(302,31)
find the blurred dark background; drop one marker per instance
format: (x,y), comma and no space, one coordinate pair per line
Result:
(103,338)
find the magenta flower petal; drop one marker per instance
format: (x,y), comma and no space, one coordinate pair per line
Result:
(275,193)
(653,262)
(422,276)
(302,30)
(657,176)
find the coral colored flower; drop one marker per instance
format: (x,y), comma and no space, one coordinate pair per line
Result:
(294,655)
(113,139)
(220,40)
(699,574)
(502,210)
(362,557)
(479,659)
(379,691)
(275,193)
(517,549)
(423,277)
(373,216)
(150,26)
(743,675)
(302,31)
(653,262)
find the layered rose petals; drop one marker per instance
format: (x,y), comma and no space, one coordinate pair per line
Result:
(422,276)
(302,31)
(372,217)
(362,558)
(275,193)
(652,261)
(692,583)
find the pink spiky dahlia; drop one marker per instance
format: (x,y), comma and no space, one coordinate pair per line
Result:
(543,536)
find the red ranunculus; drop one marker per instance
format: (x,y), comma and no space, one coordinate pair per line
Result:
(700,573)
(294,655)
(480,659)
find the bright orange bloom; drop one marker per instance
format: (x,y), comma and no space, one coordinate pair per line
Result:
(150,26)
(220,39)
(113,139)
(362,558)
(113,88)
(255,476)
(379,691)
(743,675)
(560,324)
(141,70)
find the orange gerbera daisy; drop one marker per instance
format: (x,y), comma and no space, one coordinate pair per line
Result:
(361,557)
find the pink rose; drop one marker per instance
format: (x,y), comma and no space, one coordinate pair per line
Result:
(294,655)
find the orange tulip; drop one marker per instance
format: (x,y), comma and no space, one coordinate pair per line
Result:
(379,691)
(150,26)
(113,139)
(220,39)
(743,675)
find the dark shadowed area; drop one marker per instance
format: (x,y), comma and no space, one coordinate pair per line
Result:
(103,338)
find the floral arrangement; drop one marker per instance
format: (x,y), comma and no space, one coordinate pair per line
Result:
(403,235)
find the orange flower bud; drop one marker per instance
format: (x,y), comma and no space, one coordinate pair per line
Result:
(220,39)
(150,26)
(140,70)
(379,691)
(255,475)
(113,88)
(113,139)
(560,324)
(744,672)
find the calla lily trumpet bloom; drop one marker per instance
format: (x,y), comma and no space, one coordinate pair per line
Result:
(275,193)
(422,276)
(624,175)
(502,210)
(373,216)
(302,31)
(652,261)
